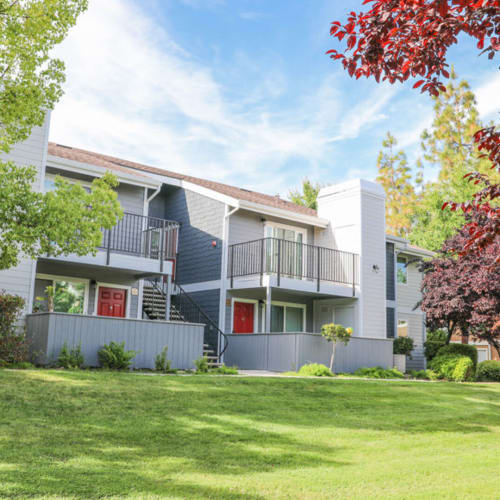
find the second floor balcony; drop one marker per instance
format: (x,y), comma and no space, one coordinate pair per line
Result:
(139,244)
(286,260)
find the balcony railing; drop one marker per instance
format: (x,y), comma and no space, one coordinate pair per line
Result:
(291,259)
(142,236)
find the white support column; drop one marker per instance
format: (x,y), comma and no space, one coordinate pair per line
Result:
(267,327)
(168,297)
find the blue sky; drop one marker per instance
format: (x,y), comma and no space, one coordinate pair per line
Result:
(238,91)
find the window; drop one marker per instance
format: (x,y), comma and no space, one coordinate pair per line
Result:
(402,328)
(70,294)
(402,270)
(287,317)
(49,183)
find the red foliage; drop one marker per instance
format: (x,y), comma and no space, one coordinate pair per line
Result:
(463,292)
(399,39)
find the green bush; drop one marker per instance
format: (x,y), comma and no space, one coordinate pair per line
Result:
(488,371)
(114,356)
(14,345)
(162,364)
(315,370)
(419,374)
(70,358)
(460,350)
(435,340)
(201,365)
(453,367)
(403,345)
(378,372)
(227,370)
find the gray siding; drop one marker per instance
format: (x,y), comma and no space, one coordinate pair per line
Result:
(209,302)
(283,352)
(201,220)
(389,266)
(49,332)
(248,226)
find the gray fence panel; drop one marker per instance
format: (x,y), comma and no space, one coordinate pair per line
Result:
(49,332)
(290,351)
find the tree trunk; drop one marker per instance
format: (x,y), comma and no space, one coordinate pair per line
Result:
(332,357)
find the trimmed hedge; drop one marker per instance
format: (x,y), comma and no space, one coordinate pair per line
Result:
(435,340)
(460,350)
(453,367)
(378,372)
(488,371)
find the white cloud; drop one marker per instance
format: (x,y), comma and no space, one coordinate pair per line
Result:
(133,92)
(488,97)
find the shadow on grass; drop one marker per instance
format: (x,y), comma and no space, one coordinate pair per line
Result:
(94,434)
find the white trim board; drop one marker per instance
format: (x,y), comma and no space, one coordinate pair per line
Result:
(202,286)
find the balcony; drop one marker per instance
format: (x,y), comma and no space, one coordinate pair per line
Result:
(143,246)
(319,268)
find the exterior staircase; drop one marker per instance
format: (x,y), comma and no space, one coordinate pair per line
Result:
(182,308)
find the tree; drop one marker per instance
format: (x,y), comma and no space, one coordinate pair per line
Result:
(67,220)
(448,147)
(309,195)
(335,333)
(31,223)
(30,79)
(394,175)
(462,293)
(400,39)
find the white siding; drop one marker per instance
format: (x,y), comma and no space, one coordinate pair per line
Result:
(32,152)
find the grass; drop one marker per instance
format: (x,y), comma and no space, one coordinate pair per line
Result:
(97,434)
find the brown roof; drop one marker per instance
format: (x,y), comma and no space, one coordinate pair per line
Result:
(125,166)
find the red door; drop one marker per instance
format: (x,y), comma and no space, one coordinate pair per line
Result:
(111,302)
(243,317)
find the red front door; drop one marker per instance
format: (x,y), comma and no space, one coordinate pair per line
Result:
(243,317)
(111,302)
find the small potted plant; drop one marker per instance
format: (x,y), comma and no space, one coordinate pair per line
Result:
(335,333)
(402,347)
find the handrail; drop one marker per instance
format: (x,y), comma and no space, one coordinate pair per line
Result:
(197,310)
(143,236)
(293,259)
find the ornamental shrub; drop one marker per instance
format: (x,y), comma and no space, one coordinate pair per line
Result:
(201,365)
(402,345)
(488,371)
(460,350)
(162,364)
(378,372)
(70,359)
(315,370)
(435,340)
(114,356)
(453,367)
(10,310)
(14,345)
(227,370)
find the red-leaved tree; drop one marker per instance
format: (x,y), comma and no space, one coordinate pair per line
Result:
(462,293)
(400,39)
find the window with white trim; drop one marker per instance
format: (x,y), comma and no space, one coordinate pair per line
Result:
(287,317)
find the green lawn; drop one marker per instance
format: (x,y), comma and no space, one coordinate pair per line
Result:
(97,434)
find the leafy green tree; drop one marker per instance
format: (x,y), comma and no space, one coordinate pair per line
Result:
(395,176)
(30,79)
(68,220)
(309,195)
(448,148)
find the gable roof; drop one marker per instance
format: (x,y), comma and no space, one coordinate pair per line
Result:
(130,167)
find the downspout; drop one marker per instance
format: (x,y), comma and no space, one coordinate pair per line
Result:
(223,272)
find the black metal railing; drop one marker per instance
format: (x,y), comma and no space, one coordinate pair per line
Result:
(184,308)
(142,236)
(292,259)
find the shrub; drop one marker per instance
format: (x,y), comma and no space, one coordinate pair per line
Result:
(378,372)
(402,345)
(162,364)
(488,371)
(453,367)
(114,357)
(315,370)
(435,340)
(460,350)
(14,348)
(10,310)
(419,374)
(227,370)
(201,365)
(70,358)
